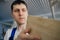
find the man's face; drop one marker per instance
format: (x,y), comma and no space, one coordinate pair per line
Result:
(20,13)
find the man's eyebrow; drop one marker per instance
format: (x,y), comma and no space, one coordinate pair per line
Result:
(16,8)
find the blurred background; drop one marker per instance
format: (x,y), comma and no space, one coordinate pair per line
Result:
(41,8)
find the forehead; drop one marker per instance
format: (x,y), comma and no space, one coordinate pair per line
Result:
(19,6)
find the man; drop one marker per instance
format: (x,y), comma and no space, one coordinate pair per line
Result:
(19,13)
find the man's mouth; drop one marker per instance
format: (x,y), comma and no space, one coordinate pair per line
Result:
(21,18)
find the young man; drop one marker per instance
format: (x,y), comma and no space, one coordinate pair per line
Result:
(19,13)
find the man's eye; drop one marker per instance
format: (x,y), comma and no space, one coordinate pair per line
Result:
(16,10)
(23,10)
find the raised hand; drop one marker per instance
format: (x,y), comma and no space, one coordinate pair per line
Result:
(25,35)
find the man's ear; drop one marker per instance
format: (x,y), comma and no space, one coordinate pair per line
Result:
(11,14)
(27,14)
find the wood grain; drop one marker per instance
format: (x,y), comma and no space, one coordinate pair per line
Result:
(47,29)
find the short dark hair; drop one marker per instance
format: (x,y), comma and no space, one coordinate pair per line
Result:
(18,2)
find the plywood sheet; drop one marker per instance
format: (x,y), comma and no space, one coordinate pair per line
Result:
(47,29)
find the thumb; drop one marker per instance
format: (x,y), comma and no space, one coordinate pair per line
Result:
(27,30)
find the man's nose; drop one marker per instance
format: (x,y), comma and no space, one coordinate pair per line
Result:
(20,13)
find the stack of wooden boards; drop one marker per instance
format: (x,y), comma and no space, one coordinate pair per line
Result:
(47,29)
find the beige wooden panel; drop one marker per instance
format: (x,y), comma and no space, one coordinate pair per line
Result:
(47,29)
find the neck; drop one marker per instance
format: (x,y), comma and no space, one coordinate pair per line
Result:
(21,26)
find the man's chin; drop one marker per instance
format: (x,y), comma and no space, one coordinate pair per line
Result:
(21,23)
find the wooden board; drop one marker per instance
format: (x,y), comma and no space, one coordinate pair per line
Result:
(47,29)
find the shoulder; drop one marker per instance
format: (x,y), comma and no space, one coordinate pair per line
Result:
(8,33)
